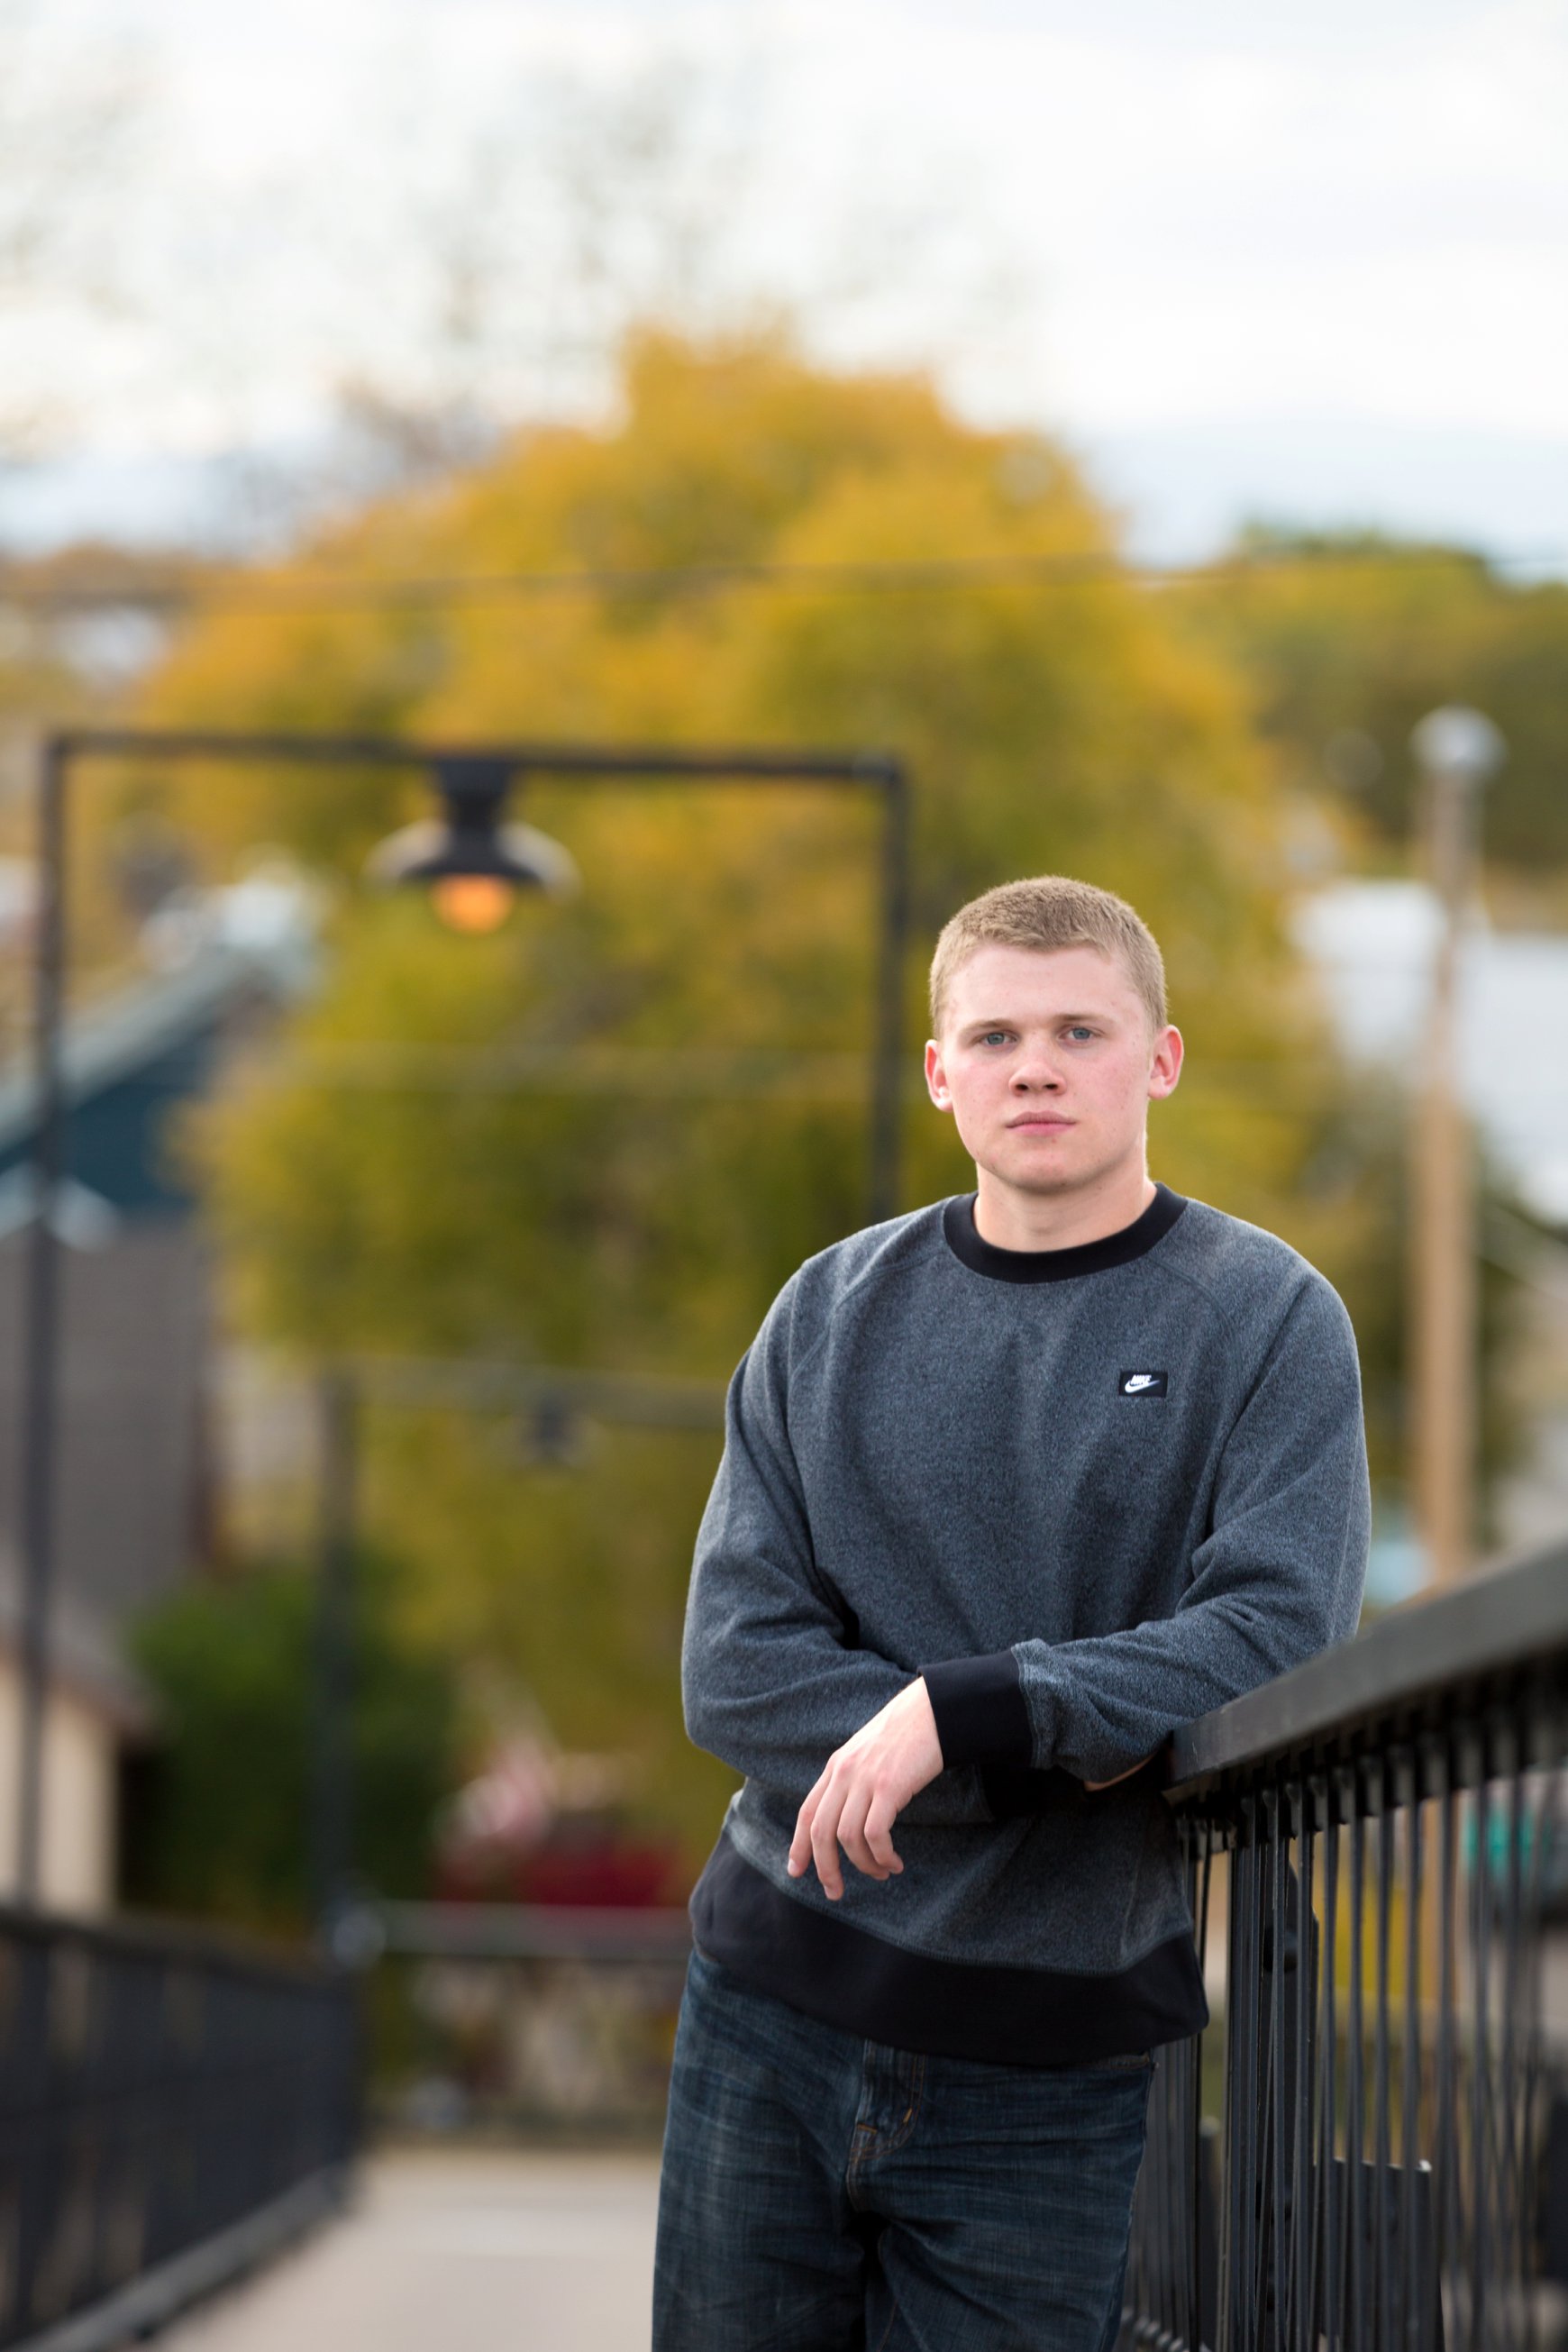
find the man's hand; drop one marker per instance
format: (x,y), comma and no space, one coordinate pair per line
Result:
(864,1786)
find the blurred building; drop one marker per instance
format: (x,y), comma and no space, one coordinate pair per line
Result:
(135,1464)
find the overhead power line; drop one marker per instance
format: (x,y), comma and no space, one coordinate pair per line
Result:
(262,597)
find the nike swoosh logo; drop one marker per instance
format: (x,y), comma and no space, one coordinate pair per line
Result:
(1139,1380)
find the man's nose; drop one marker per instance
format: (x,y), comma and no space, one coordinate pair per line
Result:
(1036,1073)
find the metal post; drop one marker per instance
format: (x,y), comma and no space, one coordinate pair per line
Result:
(1457,750)
(331,1789)
(40,1321)
(886,1067)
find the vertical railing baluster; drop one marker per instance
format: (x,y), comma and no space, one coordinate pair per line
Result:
(1333,2218)
(1272,2285)
(1229,2221)
(1198,2318)
(1480,2054)
(1179,2139)
(1357,2306)
(1242,2062)
(1300,1800)
(1319,2321)
(1507,2121)
(1468,2055)
(1259,2061)
(1242,2177)
(1446,2131)
(1380,2303)
(1546,1749)
(1412,2336)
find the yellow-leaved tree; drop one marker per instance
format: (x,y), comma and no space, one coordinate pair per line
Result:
(604,1136)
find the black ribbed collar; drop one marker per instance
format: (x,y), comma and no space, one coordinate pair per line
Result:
(1058,1264)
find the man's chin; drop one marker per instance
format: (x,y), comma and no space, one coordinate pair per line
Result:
(1054,1173)
(1041,1183)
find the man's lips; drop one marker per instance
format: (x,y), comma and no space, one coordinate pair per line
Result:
(1043,1121)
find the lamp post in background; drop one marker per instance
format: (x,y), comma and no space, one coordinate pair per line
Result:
(41,1320)
(1456,750)
(475,864)
(333,1663)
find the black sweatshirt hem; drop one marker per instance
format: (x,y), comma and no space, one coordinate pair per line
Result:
(981,1715)
(951,2009)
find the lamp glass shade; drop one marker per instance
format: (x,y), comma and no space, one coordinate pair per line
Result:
(436,850)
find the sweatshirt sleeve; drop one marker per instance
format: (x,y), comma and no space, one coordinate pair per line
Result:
(1277,1577)
(772,1674)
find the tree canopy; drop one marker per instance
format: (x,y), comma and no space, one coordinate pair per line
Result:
(1349,638)
(604,1136)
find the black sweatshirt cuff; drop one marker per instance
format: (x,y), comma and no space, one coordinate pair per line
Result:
(981,1715)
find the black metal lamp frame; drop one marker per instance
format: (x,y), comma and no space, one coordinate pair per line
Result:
(496,764)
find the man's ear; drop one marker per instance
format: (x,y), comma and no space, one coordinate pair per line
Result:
(936,1077)
(1165,1063)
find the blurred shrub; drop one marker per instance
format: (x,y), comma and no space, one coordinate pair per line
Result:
(218,1811)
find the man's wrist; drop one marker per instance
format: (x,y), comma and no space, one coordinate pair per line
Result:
(979,1711)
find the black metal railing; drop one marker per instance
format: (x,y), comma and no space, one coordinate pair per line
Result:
(160,2094)
(1368,2151)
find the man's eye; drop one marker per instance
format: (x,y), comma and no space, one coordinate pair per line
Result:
(1079,1030)
(994,1037)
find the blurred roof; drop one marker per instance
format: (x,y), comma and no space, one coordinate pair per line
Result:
(133,1056)
(1374,944)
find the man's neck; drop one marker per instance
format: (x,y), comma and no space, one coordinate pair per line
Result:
(1012,1220)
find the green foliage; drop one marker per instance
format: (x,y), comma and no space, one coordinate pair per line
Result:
(569,1580)
(219,1830)
(605,1136)
(1350,639)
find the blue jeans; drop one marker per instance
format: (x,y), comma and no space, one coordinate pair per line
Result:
(825,2194)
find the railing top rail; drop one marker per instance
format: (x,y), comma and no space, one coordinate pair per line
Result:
(1509,1622)
(147,1937)
(534,1931)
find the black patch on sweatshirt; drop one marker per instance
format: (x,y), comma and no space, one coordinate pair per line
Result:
(1007,2016)
(979,1710)
(1145,1383)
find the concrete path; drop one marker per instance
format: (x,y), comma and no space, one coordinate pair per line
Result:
(457,2252)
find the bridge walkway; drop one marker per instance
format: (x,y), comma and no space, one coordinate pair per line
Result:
(457,2250)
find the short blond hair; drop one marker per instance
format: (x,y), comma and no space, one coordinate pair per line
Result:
(1046,912)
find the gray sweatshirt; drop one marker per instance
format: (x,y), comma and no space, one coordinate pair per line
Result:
(1090,1493)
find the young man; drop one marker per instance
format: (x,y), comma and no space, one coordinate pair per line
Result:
(1011,1488)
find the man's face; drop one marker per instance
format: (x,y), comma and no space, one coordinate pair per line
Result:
(1048,1065)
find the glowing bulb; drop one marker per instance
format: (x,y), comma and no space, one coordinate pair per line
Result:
(472,902)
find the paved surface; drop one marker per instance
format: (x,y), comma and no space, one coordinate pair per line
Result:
(457,2252)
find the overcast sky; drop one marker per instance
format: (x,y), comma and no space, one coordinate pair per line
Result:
(1313,261)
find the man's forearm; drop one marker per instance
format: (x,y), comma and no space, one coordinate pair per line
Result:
(781,1729)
